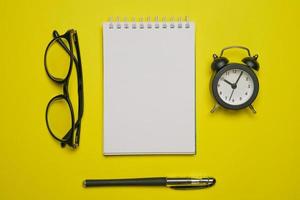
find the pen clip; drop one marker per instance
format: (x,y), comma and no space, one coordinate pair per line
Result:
(188,187)
(190,183)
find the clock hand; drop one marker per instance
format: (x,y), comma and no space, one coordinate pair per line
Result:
(228,82)
(239,77)
(234,84)
(231,94)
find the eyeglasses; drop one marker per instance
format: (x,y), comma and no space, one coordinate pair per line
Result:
(64,125)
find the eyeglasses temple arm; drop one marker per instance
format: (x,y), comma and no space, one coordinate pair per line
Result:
(62,44)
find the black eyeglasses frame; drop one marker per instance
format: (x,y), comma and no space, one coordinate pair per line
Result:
(71,138)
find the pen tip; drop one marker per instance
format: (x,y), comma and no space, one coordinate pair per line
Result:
(213,181)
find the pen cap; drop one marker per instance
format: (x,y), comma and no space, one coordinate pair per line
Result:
(190,183)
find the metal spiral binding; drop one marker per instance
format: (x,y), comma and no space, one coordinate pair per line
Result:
(156,22)
(164,22)
(149,24)
(133,23)
(123,23)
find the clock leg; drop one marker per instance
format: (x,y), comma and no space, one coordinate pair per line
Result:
(214,108)
(252,109)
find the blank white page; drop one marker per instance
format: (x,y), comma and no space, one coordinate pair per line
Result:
(149,88)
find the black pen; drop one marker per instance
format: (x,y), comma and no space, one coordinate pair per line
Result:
(175,183)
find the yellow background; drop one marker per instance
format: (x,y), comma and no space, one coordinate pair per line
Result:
(251,156)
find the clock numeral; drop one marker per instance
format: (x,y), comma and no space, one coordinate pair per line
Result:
(220,92)
(227,73)
(232,100)
(225,97)
(240,98)
(249,86)
(247,78)
(234,71)
(246,93)
(218,85)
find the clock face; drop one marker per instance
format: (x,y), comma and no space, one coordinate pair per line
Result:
(235,86)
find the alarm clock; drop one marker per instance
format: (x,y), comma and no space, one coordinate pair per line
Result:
(234,85)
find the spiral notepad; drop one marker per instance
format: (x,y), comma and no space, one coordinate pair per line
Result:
(149,87)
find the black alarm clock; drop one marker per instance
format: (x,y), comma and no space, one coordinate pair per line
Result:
(234,85)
